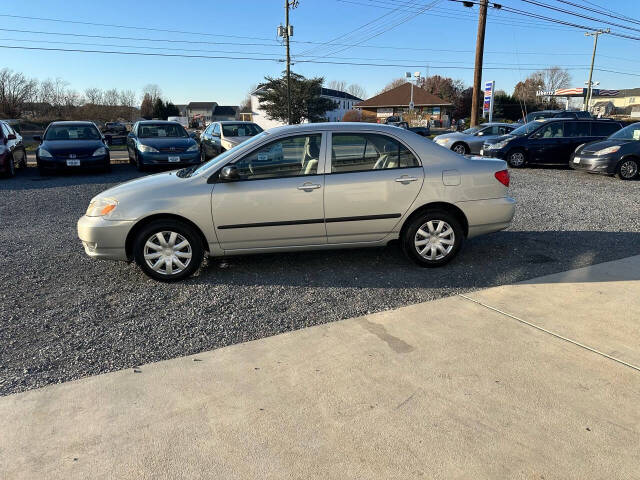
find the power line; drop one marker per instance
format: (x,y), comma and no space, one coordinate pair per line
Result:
(607,13)
(278,60)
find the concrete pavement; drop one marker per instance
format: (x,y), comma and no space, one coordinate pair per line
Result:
(534,380)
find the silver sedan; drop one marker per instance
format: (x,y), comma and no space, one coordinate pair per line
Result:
(304,187)
(471,139)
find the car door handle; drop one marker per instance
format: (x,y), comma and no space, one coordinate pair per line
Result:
(406,179)
(307,186)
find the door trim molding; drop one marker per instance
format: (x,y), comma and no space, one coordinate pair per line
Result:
(311,221)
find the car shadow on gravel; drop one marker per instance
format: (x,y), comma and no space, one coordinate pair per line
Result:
(496,259)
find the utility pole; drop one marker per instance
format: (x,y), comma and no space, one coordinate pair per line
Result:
(286,32)
(477,74)
(595,36)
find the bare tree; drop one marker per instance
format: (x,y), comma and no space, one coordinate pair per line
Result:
(128,98)
(357,91)
(153,90)
(339,85)
(15,91)
(392,84)
(94,96)
(555,77)
(112,97)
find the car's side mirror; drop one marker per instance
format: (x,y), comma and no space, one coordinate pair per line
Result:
(37,138)
(131,135)
(229,174)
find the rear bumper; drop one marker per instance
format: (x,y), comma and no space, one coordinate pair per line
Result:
(594,164)
(104,239)
(487,216)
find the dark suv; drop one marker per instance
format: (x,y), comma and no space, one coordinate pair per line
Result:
(549,142)
(556,114)
(115,128)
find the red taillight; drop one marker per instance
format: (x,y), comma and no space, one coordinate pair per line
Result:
(503,177)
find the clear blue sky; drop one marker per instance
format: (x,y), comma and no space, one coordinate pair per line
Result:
(516,45)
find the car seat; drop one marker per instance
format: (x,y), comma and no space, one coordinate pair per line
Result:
(388,158)
(310,157)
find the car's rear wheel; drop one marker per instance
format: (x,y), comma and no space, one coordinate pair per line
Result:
(628,169)
(433,238)
(168,250)
(460,148)
(516,159)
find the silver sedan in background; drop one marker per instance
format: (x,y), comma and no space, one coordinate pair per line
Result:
(471,139)
(303,187)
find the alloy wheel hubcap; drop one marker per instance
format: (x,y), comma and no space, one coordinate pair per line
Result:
(459,149)
(629,169)
(517,159)
(167,253)
(434,240)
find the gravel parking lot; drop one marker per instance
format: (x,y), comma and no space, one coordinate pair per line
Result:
(64,316)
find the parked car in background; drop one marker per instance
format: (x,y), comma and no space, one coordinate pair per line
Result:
(549,141)
(542,114)
(471,139)
(72,145)
(618,154)
(184,121)
(302,187)
(161,143)
(219,137)
(422,131)
(400,124)
(115,128)
(12,152)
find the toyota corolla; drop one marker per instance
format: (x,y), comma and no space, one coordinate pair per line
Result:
(304,187)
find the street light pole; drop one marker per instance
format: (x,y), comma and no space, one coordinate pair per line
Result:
(595,36)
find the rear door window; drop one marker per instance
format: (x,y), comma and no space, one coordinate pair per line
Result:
(552,130)
(363,152)
(577,129)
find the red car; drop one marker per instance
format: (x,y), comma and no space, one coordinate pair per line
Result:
(12,152)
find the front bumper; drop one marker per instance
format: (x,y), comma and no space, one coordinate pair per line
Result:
(493,153)
(605,164)
(60,163)
(152,158)
(103,238)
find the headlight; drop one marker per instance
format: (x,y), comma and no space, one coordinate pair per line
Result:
(146,148)
(100,207)
(442,141)
(193,148)
(99,152)
(44,153)
(498,145)
(608,150)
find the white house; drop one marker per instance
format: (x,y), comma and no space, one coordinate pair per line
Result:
(345,102)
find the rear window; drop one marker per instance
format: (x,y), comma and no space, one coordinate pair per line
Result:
(577,129)
(72,132)
(604,129)
(161,130)
(240,129)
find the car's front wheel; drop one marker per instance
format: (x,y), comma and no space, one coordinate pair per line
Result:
(628,169)
(168,250)
(433,238)
(139,163)
(11,166)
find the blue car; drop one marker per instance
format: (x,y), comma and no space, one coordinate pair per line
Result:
(161,143)
(72,145)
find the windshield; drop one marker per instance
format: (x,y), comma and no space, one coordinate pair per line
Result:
(72,132)
(197,169)
(632,132)
(161,130)
(526,129)
(471,131)
(240,129)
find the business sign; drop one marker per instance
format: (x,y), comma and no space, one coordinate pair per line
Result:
(487,106)
(384,112)
(436,111)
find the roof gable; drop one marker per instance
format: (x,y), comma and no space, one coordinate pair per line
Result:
(401,96)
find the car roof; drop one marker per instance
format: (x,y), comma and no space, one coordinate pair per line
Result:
(223,122)
(336,126)
(167,122)
(493,124)
(72,122)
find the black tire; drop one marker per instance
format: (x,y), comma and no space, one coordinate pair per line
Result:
(460,148)
(107,166)
(203,155)
(410,236)
(182,229)
(139,163)
(516,158)
(628,169)
(23,163)
(11,167)
(42,171)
